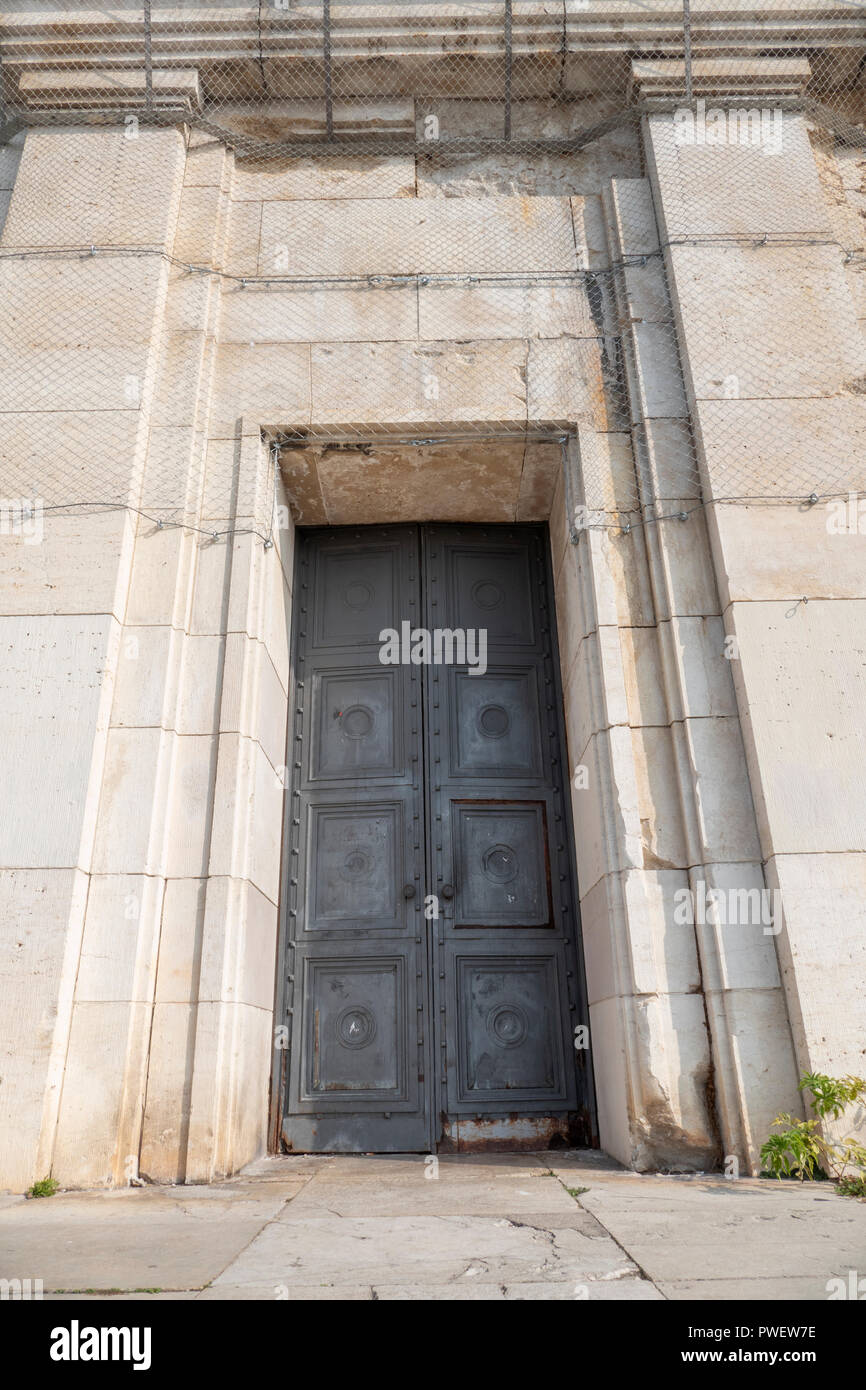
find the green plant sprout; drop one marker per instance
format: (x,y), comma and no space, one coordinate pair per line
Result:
(802,1151)
(46,1187)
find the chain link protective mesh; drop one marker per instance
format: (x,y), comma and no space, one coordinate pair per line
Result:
(410,232)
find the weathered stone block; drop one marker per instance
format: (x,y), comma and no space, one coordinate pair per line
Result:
(688,588)
(51,303)
(783,448)
(190,806)
(711,755)
(666,465)
(740,311)
(658,381)
(80,187)
(42,911)
(542,464)
(720,188)
(803,726)
(146,678)
(465,481)
(313,313)
(643,676)
(789,552)
(751,1024)
(245,779)
(736,920)
(53,749)
(699,684)
(177,978)
(200,224)
(414,383)
(611,781)
(822,955)
(405,236)
(659,808)
(505,311)
(269,382)
(131,807)
(287,179)
(97,1130)
(121,939)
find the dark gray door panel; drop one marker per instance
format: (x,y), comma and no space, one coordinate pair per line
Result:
(500,864)
(357,970)
(358,862)
(358,1043)
(495,723)
(433,789)
(509,1038)
(507,980)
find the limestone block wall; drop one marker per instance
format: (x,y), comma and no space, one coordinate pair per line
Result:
(63,614)
(141,872)
(692,1048)
(791,580)
(141,876)
(160,882)
(144,691)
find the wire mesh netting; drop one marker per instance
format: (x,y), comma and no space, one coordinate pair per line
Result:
(365,243)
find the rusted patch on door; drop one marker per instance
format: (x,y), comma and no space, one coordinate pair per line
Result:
(513,1133)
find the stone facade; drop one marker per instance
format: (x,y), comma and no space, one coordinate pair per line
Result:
(146,672)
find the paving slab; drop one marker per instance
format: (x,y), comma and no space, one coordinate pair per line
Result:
(102,1296)
(135,1238)
(423,1250)
(563,1226)
(737,1238)
(796,1288)
(279,1167)
(653,1193)
(469,1167)
(600,1291)
(446,1195)
(286,1293)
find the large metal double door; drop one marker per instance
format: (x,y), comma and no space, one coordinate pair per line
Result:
(432,980)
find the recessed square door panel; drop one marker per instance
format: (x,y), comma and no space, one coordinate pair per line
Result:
(495,718)
(355,1038)
(357,724)
(355,857)
(491,589)
(508,1011)
(357,593)
(500,862)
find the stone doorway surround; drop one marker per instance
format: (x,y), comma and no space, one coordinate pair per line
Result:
(143,913)
(637,618)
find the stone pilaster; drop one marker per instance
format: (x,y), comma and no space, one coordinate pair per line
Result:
(76,410)
(774,364)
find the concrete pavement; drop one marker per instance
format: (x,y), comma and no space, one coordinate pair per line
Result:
(559,1225)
